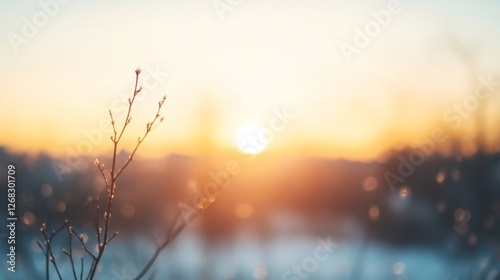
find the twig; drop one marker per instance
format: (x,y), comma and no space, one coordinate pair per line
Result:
(103,235)
(114,174)
(169,236)
(70,248)
(49,255)
(81,270)
(80,238)
(149,127)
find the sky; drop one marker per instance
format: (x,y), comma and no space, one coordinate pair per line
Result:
(226,64)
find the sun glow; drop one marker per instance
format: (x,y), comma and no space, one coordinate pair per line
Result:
(249,140)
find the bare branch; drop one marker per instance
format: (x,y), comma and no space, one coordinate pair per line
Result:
(70,248)
(80,238)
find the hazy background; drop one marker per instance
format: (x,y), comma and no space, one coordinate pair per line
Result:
(228,78)
(263,54)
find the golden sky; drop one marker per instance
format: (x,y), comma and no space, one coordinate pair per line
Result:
(222,72)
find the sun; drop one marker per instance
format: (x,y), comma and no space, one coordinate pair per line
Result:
(249,139)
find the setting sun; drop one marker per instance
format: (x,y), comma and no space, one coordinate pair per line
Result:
(248,139)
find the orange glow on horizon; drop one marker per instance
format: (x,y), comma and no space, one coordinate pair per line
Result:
(287,76)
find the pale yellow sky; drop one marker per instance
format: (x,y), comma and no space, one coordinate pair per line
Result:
(262,57)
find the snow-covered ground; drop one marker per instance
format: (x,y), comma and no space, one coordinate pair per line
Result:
(248,257)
